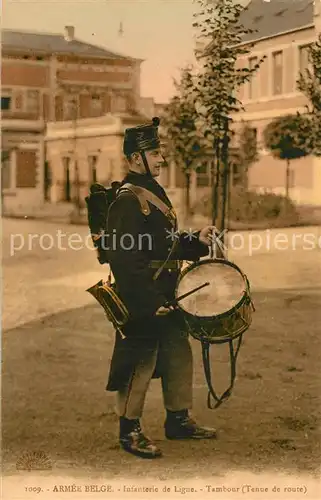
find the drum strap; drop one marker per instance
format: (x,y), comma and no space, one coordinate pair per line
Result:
(207,370)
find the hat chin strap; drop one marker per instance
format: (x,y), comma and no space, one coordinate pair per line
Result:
(145,163)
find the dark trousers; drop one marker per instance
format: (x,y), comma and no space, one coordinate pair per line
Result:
(170,355)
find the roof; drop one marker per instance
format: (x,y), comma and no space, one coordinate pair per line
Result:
(271,18)
(16,40)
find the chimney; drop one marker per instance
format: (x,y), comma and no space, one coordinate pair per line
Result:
(69,33)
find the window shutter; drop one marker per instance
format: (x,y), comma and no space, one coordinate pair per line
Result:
(26,169)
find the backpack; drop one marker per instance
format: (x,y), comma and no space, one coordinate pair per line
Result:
(98,203)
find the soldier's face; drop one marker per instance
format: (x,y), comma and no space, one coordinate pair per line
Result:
(155,161)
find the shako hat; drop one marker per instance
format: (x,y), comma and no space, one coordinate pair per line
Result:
(141,138)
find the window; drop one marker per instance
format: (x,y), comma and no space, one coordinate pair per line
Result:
(203,176)
(5,103)
(253,132)
(18,101)
(277,72)
(96,105)
(303,58)
(26,169)
(236,174)
(5,170)
(70,107)
(14,100)
(32,100)
(92,160)
(253,81)
(120,104)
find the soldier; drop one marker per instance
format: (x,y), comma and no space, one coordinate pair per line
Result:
(156,343)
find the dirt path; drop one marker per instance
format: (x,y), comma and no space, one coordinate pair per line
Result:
(54,402)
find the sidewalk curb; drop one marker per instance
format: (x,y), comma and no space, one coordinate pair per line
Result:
(232,227)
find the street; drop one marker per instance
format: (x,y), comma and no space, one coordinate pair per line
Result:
(42,277)
(57,346)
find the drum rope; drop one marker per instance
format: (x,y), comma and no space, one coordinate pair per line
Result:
(207,370)
(223,327)
(217,247)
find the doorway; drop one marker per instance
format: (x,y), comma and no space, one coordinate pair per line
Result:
(67,183)
(92,160)
(47,181)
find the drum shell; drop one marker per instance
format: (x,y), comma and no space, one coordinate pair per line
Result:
(225,326)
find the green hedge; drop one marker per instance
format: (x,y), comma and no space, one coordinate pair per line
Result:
(247,206)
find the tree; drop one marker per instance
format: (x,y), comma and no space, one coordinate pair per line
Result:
(183,141)
(217,84)
(281,138)
(244,154)
(309,83)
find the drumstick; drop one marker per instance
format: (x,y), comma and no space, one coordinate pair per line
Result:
(187,294)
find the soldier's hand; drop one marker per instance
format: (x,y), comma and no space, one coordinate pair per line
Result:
(206,235)
(162,310)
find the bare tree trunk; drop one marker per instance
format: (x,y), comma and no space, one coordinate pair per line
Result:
(225,181)
(245,179)
(287,180)
(215,182)
(216,250)
(287,186)
(187,196)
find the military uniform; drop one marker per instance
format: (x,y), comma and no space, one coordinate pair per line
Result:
(155,346)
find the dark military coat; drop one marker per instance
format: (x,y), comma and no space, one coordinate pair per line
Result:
(136,240)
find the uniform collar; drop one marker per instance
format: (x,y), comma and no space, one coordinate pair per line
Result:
(147,182)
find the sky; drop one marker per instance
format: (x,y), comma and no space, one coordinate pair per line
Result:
(158,31)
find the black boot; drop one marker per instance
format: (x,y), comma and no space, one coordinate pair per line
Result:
(179,425)
(133,440)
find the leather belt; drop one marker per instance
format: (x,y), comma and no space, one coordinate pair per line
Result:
(171,264)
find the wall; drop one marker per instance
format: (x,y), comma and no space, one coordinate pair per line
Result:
(101,137)
(25,189)
(54,78)
(27,82)
(263,98)
(269,173)
(42,89)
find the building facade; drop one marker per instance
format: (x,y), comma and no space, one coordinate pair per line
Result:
(85,152)
(48,78)
(65,105)
(284,30)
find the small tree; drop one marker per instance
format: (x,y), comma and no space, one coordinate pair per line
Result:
(183,141)
(244,154)
(216,87)
(281,138)
(309,84)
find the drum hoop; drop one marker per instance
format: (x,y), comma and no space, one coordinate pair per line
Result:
(244,298)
